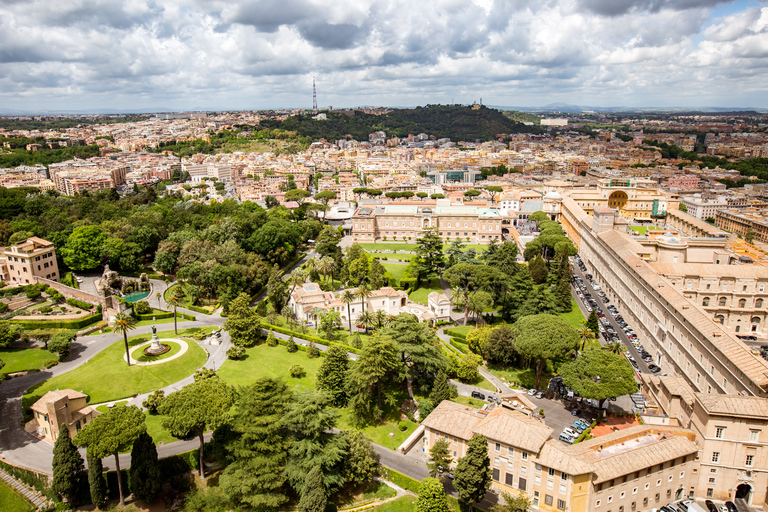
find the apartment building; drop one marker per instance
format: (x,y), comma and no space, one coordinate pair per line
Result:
(634,469)
(407,222)
(632,198)
(23,262)
(62,407)
(703,208)
(741,221)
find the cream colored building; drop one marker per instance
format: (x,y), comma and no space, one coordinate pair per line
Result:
(23,262)
(638,468)
(59,407)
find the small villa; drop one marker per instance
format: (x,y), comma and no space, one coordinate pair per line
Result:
(65,406)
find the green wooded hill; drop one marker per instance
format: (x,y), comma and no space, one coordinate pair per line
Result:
(457,122)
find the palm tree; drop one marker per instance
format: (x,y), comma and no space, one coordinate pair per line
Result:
(314,313)
(585,335)
(175,301)
(367,319)
(381,318)
(123,322)
(457,297)
(297,278)
(615,346)
(325,266)
(157,296)
(287,312)
(362,293)
(347,297)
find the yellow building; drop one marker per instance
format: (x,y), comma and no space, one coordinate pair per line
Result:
(62,407)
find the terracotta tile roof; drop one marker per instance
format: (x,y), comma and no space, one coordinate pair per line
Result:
(51,396)
(733,405)
(514,428)
(453,419)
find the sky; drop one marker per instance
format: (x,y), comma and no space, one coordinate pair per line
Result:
(81,55)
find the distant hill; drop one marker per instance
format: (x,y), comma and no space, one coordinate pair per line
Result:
(459,123)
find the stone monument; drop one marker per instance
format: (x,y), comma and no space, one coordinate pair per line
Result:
(155,347)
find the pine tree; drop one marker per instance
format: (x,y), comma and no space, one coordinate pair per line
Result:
(96,480)
(332,375)
(593,324)
(441,390)
(144,477)
(439,458)
(68,468)
(432,496)
(563,299)
(538,269)
(362,463)
(541,302)
(472,476)
(271,340)
(313,498)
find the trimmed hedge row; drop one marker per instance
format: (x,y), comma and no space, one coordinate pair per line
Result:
(62,324)
(198,309)
(460,344)
(164,314)
(402,480)
(455,334)
(307,337)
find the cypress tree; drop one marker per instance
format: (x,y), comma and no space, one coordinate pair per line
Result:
(473,472)
(313,497)
(441,390)
(68,468)
(538,269)
(144,478)
(563,294)
(593,324)
(96,480)
(332,375)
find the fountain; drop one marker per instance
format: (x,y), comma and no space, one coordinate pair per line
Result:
(156,348)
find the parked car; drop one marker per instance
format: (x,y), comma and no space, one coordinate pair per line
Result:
(683,505)
(532,391)
(478,395)
(710,506)
(731,506)
(540,394)
(570,432)
(654,368)
(575,412)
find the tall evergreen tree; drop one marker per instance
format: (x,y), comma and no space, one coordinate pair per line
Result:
(439,458)
(472,476)
(256,476)
(362,462)
(144,477)
(593,323)
(432,497)
(429,261)
(313,498)
(541,302)
(378,362)
(377,276)
(310,421)
(96,480)
(563,299)
(441,390)
(68,469)
(419,348)
(332,375)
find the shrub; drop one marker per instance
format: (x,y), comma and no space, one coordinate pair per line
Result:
(33,294)
(58,297)
(402,426)
(142,308)
(297,371)
(51,363)
(79,304)
(541,412)
(153,401)
(271,340)
(46,309)
(51,291)
(291,345)
(3,307)
(236,352)
(312,352)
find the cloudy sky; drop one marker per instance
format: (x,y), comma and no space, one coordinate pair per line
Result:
(249,54)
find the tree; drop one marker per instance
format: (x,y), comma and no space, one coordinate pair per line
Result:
(325,196)
(277,290)
(471,278)
(332,375)
(256,475)
(521,502)
(540,302)
(96,481)
(585,335)
(682,208)
(441,389)
(243,323)
(297,195)
(599,375)
(330,322)
(419,348)
(175,300)
(432,496)
(111,433)
(377,275)
(479,302)
(493,191)
(310,421)
(144,477)
(563,298)
(500,346)
(378,362)
(472,193)
(201,405)
(9,333)
(68,469)
(538,269)
(437,196)
(439,459)
(503,258)
(749,237)
(327,243)
(429,261)
(313,498)
(472,476)
(61,341)
(421,195)
(122,323)
(542,338)
(593,324)
(347,297)
(363,294)
(83,249)
(362,461)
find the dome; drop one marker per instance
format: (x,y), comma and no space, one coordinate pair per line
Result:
(553,195)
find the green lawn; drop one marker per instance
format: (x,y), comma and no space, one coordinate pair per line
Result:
(106,376)
(420,295)
(20,359)
(642,230)
(12,501)
(158,433)
(471,402)
(380,434)
(462,329)
(139,355)
(208,305)
(265,361)
(515,377)
(396,269)
(575,317)
(401,504)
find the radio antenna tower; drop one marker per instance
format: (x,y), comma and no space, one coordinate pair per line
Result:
(314,96)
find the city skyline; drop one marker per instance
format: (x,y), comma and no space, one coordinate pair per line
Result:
(129,56)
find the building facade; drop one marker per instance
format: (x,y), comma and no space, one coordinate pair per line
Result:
(62,407)
(32,258)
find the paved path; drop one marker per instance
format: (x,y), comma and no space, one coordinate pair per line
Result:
(30,494)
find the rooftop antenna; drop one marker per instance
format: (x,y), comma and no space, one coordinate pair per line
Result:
(314,96)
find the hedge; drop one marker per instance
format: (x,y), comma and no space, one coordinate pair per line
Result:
(80,304)
(164,314)
(455,334)
(38,481)
(197,309)
(461,345)
(62,324)
(307,337)
(585,434)
(402,480)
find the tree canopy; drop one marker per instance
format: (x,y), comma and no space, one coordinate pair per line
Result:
(543,338)
(599,374)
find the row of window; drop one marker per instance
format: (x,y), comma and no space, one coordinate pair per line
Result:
(754,435)
(636,475)
(750,460)
(724,300)
(657,498)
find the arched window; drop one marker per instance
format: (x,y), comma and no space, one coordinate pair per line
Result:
(755,320)
(742,303)
(738,328)
(720,319)
(722,301)
(759,303)
(705,302)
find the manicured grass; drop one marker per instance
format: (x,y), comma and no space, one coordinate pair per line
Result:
(471,402)
(158,433)
(379,434)
(484,384)
(140,356)
(462,329)
(20,359)
(208,305)
(642,230)
(575,317)
(402,504)
(421,295)
(389,246)
(12,501)
(396,269)
(523,377)
(265,361)
(107,377)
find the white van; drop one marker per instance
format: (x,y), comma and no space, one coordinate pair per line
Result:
(567,438)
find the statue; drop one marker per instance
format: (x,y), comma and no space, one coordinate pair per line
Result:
(154,330)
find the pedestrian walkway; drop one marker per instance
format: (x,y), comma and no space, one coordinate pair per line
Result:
(34,497)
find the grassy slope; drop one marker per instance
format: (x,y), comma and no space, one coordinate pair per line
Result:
(420,295)
(11,501)
(20,359)
(266,361)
